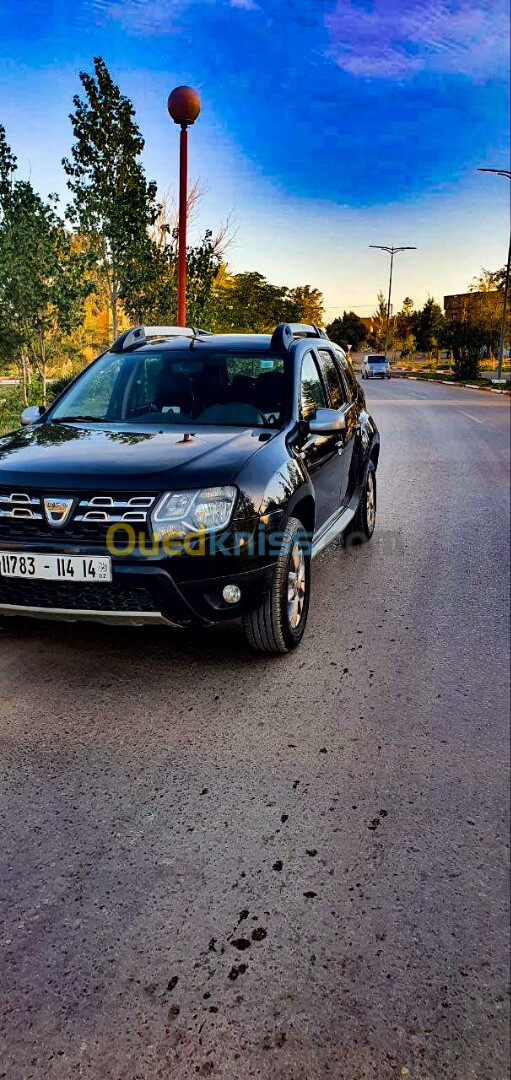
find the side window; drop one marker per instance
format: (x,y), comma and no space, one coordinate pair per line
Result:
(148,378)
(141,388)
(311,390)
(348,374)
(332,379)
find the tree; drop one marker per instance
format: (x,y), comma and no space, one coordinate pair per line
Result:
(465,337)
(408,347)
(486,304)
(43,283)
(405,319)
(348,330)
(308,303)
(379,332)
(429,326)
(7,169)
(113,204)
(248,303)
(150,268)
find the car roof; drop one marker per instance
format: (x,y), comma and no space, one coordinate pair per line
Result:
(209,343)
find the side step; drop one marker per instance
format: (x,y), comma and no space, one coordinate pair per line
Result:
(331,530)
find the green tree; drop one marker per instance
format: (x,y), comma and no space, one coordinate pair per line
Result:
(348,330)
(150,269)
(308,303)
(405,320)
(247,303)
(43,284)
(378,333)
(113,205)
(486,303)
(465,336)
(429,327)
(408,347)
(7,170)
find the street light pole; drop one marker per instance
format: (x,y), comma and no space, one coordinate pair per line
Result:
(391,251)
(502,335)
(184,107)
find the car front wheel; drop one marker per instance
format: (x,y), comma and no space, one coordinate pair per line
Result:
(278,624)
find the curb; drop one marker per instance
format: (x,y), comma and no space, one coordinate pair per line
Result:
(464,386)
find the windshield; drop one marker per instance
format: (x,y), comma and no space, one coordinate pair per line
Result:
(176,387)
(376,359)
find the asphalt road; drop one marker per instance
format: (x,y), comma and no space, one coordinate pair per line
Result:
(225,866)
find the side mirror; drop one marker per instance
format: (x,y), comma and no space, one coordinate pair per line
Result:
(327,422)
(31,415)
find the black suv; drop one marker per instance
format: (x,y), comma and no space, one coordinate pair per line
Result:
(185,478)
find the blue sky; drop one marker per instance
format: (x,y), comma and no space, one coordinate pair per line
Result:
(327,125)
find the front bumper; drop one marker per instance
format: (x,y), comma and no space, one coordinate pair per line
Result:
(177,591)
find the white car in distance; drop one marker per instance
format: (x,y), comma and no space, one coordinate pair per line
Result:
(376,366)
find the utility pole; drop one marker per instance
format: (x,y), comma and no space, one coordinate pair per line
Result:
(507,173)
(391,251)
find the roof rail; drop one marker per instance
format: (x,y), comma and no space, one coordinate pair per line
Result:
(140,335)
(286,333)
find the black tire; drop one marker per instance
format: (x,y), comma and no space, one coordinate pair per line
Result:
(361,528)
(270,629)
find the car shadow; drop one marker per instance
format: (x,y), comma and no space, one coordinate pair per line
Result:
(203,645)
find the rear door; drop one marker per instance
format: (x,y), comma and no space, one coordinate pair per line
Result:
(341,398)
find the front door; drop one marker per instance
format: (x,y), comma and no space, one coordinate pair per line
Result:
(340,398)
(320,452)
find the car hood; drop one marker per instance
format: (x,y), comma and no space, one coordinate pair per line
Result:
(89,457)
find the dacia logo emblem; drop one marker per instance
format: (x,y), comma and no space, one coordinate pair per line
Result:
(57,511)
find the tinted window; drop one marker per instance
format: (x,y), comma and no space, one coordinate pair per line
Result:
(312,393)
(332,379)
(173,386)
(347,373)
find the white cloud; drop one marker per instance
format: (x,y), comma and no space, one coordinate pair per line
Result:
(159,16)
(397,38)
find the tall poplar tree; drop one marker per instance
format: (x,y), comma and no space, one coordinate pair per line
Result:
(113,205)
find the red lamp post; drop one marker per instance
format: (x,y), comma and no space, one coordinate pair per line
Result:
(184,108)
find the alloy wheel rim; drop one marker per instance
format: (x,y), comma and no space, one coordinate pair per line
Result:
(296,585)
(370,502)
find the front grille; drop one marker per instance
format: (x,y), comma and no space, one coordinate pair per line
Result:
(79,597)
(22,515)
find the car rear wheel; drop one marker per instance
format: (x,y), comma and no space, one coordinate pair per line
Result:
(362,526)
(278,624)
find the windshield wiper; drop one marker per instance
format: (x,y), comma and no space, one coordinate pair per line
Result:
(74,419)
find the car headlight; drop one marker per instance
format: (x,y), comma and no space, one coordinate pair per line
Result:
(182,512)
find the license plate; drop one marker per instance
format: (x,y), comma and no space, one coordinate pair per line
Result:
(54,567)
